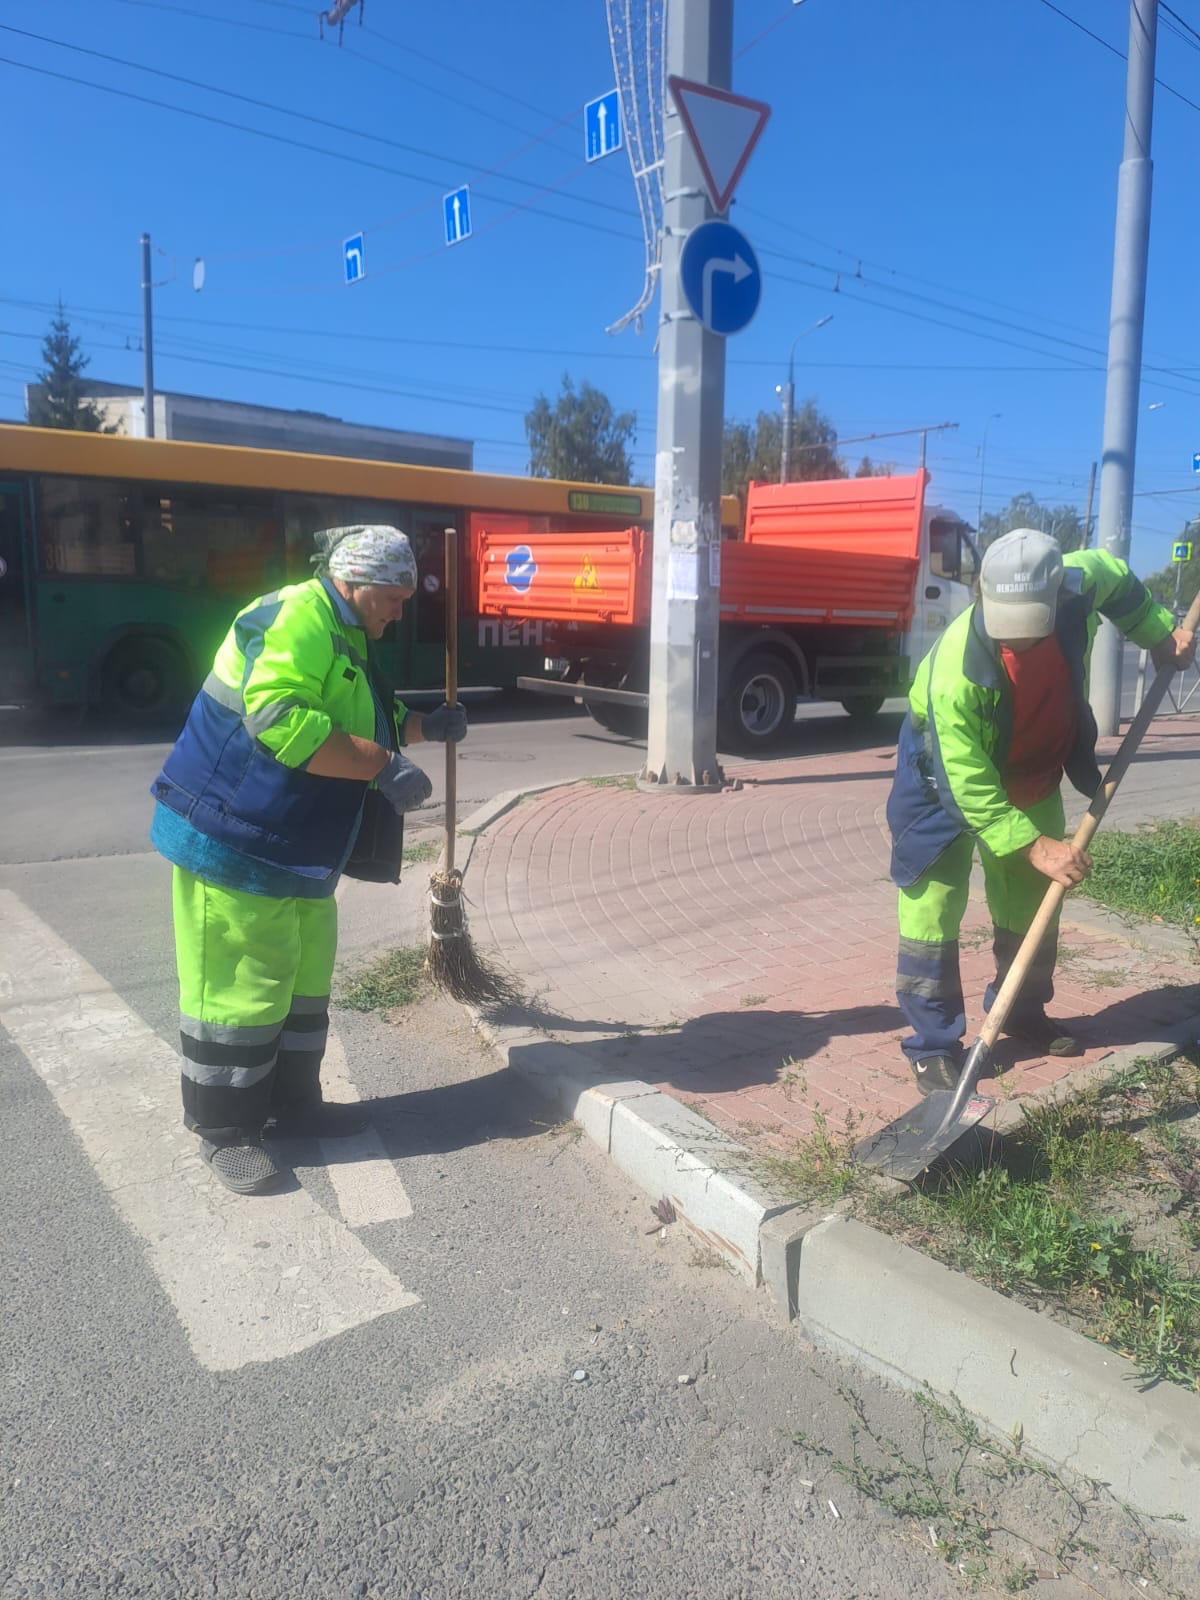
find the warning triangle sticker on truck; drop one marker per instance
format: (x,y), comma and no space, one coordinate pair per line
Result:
(723,128)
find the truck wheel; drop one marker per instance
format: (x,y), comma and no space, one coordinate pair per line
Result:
(144,680)
(862,707)
(758,709)
(627,722)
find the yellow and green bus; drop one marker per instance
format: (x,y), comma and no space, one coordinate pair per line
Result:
(122,561)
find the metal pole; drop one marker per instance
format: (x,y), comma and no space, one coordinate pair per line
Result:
(789,403)
(1087,520)
(147,337)
(1130,251)
(1178,607)
(995,416)
(681,745)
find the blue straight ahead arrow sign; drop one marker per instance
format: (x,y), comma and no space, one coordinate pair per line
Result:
(456,207)
(602,126)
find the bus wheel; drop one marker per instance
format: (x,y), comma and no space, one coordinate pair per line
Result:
(144,680)
(862,707)
(759,708)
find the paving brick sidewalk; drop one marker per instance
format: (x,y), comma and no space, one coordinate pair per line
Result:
(737,951)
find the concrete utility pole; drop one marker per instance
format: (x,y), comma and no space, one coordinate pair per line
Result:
(789,402)
(147,337)
(1130,252)
(682,737)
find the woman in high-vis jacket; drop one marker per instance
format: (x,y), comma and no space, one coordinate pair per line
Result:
(259,806)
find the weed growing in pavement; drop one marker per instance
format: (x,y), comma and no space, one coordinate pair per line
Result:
(752,1000)
(425,850)
(821,1167)
(1154,872)
(396,979)
(617,780)
(954,1492)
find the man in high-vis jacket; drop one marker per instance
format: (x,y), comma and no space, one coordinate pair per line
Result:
(259,805)
(998,711)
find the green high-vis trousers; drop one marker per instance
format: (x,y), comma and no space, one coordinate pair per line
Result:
(928,985)
(254,980)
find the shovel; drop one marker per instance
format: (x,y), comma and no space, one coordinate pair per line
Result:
(914,1141)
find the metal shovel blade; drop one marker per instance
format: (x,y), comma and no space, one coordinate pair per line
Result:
(914,1141)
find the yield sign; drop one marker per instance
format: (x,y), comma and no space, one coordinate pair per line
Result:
(724,129)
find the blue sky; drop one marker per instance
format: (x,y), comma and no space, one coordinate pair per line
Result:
(954,161)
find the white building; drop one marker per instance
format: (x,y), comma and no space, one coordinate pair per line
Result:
(202,420)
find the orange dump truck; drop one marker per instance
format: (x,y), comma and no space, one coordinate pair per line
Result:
(834,591)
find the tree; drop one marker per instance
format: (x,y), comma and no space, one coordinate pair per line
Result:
(751,452)
(1162,584)
(580,437)
(1064,523)
(875,469)
(62,402)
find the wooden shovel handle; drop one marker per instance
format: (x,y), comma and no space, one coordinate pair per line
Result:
(451,592)
(1017,973)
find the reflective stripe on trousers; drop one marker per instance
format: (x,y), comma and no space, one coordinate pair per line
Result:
(254,978)
(928,984)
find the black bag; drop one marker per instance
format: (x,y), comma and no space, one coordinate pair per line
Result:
(379,848)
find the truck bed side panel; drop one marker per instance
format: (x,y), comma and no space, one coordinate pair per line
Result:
(585,577)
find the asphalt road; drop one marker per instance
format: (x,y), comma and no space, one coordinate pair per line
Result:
(447,1361)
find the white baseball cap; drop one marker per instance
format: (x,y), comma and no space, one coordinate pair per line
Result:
(1019,581)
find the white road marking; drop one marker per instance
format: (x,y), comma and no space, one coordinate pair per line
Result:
(363,1175)
(250,1279)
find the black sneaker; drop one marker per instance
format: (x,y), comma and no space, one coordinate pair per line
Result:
(246,1168)
(1043,1034)
(319,1119)
(936,1072)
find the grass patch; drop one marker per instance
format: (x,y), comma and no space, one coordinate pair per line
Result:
(1090,1207)
(1090,1211)
(1154,872)
(416,855)
(617,780)
(396,979)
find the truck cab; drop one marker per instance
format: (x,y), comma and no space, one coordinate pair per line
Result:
(949,567)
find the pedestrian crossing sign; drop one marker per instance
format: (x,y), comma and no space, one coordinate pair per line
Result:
(1181,550)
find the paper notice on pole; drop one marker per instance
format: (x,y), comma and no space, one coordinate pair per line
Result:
(714,564)
(683,575)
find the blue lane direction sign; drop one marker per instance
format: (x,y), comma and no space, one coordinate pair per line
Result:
(354,259)
(456,207)
(1181,550)
(1196,463)
(602,126)
(721,278)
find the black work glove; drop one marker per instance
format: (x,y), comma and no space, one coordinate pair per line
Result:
(448,724)
(403,785)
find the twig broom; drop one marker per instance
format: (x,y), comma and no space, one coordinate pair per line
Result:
(454,964)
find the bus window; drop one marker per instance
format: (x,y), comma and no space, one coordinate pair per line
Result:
(223,539)
(85,528)
(306,514)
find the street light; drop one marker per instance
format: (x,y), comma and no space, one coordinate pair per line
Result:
(789,399)
(995,417)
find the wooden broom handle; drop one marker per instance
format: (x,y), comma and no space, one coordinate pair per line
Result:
(451,580)
(1010,988)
